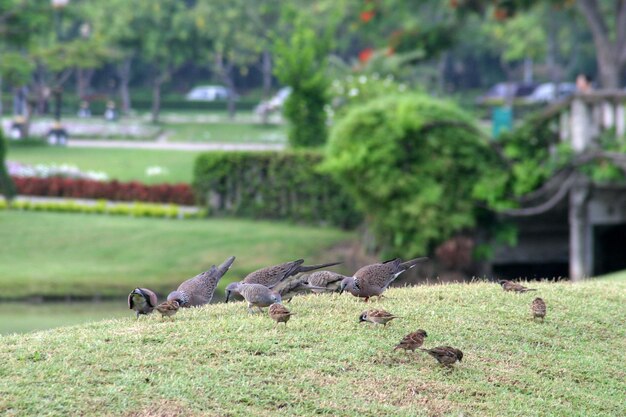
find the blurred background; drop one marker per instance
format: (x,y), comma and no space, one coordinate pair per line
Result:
(143,141)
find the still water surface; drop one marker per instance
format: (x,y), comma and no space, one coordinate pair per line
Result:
(26,317)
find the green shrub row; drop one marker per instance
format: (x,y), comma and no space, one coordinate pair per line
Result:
(101,207)
(272,185)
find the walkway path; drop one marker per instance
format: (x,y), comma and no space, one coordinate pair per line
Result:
(195,147)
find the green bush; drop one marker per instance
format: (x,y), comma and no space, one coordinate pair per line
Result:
(7,188)
(272,185)
(411,163)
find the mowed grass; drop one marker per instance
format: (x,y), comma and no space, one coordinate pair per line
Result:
(119,164)
(59,254)
(226,132)
(220,361)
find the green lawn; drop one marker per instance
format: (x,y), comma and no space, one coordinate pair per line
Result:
(225,132)
(58,254)
(221,361)
(120,164)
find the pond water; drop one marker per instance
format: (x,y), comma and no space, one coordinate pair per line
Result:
(25,317)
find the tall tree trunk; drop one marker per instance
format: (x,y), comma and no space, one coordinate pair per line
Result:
(156,100)
(225,72)
(610,53)
(267,82)
(123,72)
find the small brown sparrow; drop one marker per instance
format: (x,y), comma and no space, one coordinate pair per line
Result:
(280,313)
(538,308)
(445,355)
(377,317)
(412,341)
(168,308)
(514,286)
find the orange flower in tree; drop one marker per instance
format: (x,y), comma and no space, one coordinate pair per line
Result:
(367,15)
(500,14)
(366,54)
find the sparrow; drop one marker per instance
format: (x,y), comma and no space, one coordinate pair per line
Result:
(445,355)
(168,308)
(412,341)
(142,300)
(377,317)
(538,308)
(373,280)
(280,313)
(272,275)
(199,290)
(514,286)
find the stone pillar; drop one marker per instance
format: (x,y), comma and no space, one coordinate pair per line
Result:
(620,125)
(581,125)
(580,238)
(608,115)
(564,126)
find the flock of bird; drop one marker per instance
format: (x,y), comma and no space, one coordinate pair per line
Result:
(268,286)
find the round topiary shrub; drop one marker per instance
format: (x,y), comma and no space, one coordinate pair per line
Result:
(411,163)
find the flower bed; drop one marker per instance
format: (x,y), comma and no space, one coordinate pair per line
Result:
(109,190)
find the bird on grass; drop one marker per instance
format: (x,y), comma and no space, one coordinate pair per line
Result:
(293,286)
(445,355)
(373,280)
(331,281)
(412,340)
(258,296)
(168,308)
(377,317)
(142,300)
(514,286)
(280,313)
(199,290)
(272,275)
(538,308)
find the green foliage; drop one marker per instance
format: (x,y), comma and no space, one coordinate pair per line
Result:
(301,64)
(272,185)
(218,360)
(411,163)
(7,188)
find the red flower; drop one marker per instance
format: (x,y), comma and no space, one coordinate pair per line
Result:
(366,54)
(367,15)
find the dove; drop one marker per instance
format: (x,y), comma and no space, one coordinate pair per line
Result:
(331,281)
(199,290)
(142,300)
(272,275)
(258,296)
(373,280)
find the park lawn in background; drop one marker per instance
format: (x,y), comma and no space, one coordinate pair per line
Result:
(59,254)
(219,360)
(119,164)
(226,132)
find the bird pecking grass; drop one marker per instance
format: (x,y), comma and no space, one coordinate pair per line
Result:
(219,360)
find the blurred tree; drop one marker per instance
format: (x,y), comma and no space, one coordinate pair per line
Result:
(301,62)
(606,19)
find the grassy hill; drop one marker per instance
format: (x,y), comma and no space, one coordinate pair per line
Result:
(220,361)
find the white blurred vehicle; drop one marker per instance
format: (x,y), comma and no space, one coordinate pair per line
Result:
(208,93)
(549,92)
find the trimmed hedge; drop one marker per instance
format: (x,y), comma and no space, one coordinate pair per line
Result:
(272,185)
(109,190)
